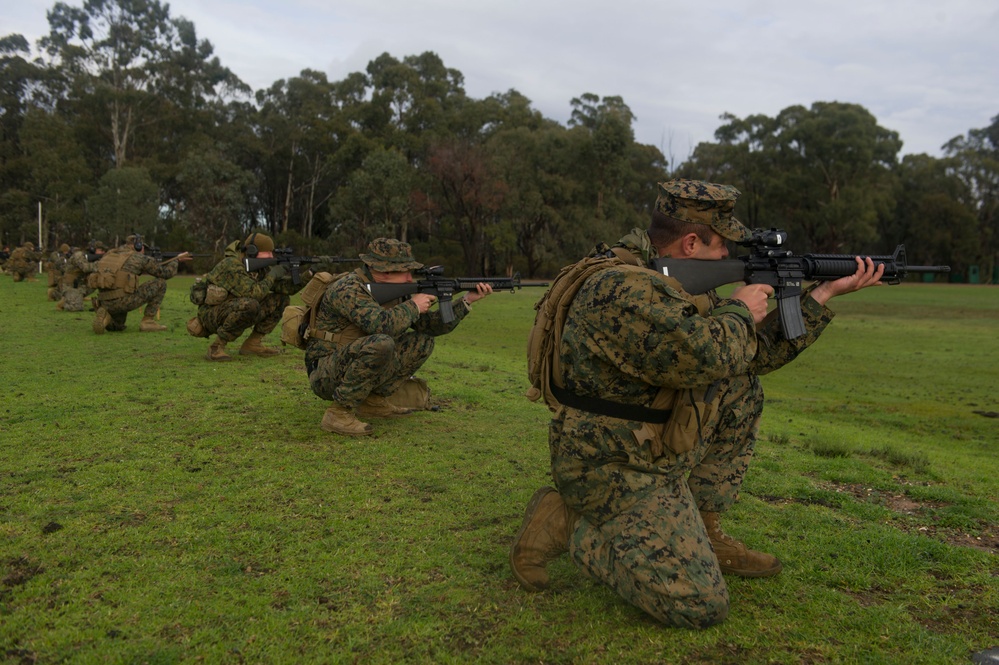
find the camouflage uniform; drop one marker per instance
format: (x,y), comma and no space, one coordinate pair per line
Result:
(635,337)
(254,299)
(73,286)
(377,347)
(150,293)
(56,266)
(23,262)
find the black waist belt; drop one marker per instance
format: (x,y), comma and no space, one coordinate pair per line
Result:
(603,407)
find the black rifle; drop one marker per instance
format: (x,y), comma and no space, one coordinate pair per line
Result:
(769,263)
(284,256)
(162,256)
(432,281)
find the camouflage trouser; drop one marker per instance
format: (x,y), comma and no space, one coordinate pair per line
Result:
(376,364)
(640,531)
(20,274)
(72,298)
(148,293)
(235,315)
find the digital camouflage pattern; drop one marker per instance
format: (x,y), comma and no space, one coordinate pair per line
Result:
(701,202)
(390,255)
(629,334)
(150,293)
(255,300)
(383,345)
(23,262)
(73,289)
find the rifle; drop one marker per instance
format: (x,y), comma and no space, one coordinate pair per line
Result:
(164,257)
(283,255)
(444,288)
(769,263)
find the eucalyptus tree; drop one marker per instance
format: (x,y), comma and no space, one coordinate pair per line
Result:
(58,176)
(126,201)
(933,216)
(825,173)
(18,76)
(124,70)
(376,200)
(976,163)
(412,101)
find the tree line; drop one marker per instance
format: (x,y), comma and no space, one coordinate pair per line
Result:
(123,120)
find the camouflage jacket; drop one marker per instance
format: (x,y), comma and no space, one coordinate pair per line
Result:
(231,275)
(22,257)
(140,264)
(77,268)
(347,303)
(629,333)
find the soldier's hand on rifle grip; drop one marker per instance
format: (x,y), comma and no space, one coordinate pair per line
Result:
(424,301)
(868,274)
(755,297)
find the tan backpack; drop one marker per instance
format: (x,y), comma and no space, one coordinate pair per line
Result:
(544,342)
(298,323)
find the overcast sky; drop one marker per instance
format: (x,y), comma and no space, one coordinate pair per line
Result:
(927,70)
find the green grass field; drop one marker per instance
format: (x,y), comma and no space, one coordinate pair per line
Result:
(158,508)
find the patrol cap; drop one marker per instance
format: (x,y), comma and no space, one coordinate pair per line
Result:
(390,255)
(699,202)
(63,248)
(262,241)
(97,244)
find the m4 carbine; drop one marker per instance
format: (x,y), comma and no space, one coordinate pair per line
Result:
(432,281)
(769,263)
(285,256)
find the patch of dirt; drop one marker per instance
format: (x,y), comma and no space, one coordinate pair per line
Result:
(17,572)
(915,511)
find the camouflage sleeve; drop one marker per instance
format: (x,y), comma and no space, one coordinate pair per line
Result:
(433,324)
(231,275)
(147,265)
(286,286)
(628,333)
(348,299)
(79,261)
(775,350)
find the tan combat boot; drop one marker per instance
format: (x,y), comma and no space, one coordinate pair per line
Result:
(148,324)
(543,537)
(61,304)
(734,558)
(101,320)
(341,420)
(217,352)
(376,406)
(253,347)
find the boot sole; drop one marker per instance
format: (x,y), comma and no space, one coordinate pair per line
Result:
(532,506)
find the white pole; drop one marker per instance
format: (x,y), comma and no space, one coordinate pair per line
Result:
(39,234)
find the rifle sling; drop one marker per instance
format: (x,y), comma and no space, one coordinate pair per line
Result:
(603,407)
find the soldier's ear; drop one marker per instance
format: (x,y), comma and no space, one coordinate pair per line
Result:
(249,249)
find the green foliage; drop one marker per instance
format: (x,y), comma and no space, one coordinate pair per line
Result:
(155,507)
(126,202)
(400,149)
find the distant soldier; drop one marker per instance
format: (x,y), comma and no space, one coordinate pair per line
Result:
(117,279)
(55,267)
(236,300)
(73,288)
(23,262)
